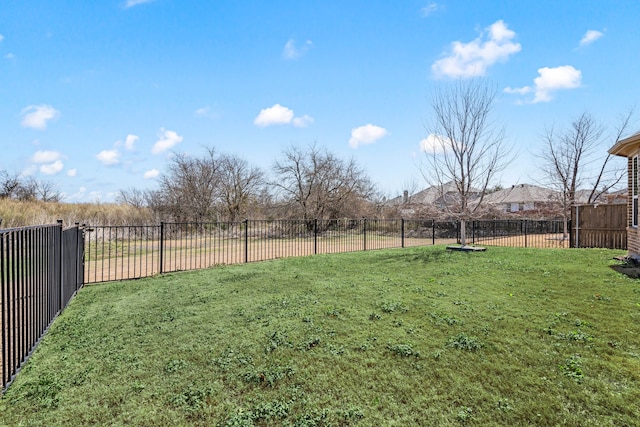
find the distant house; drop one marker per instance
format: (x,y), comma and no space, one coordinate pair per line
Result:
(428,201)
(523,198)
(616,197)
(630,148)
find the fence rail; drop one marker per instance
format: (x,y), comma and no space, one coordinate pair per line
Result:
(129,252)
(40,270)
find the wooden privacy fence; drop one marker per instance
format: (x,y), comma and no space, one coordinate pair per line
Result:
(599,226)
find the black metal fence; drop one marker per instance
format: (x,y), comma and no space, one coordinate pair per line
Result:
(41,268)
(520,233)
(129,252)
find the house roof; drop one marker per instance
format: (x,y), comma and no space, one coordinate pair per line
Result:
(427,196)
(522,193)
(433,193)
(626,147)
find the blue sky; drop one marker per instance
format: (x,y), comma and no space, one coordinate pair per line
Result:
(96,96)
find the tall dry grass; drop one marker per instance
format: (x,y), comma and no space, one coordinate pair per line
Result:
(20,214)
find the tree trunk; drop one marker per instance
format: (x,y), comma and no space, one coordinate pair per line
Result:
(463,233)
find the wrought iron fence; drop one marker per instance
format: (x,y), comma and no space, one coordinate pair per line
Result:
(520,233)
(129,252)
(40,270)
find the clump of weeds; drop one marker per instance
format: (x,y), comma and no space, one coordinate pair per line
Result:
(572,368)
(393,306)
(403,350)
(463,341)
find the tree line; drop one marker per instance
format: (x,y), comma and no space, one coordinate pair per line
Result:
(304,183)
(17,187)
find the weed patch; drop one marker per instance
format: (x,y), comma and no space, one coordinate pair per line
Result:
(464,342)
(572,368)
(403,350)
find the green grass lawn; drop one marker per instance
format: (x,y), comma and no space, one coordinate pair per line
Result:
(400,337)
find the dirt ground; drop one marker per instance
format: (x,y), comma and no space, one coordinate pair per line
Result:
(204,253)
(628,267)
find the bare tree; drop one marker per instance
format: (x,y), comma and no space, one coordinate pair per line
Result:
(202,188)
(14,186)
(240,184)
(576,158)
(133,197)
(314,183)
(9,185)
(47,191)
(467,151)
(189,191)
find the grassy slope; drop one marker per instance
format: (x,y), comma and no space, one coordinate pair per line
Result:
(395,337)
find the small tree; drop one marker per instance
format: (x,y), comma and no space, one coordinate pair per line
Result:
(133,197)
(576,157)
(466,151)
(189,191)
(240,184)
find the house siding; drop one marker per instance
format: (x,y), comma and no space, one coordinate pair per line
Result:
(633,236)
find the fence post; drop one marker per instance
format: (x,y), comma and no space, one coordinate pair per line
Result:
(246,240)
(473,232)
(364,232)
(161,246)
(315,236)
(402,232)
(60,264)
(525,233)
(77,254)
(433,232)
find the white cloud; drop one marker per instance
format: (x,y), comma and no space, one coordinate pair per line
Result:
(46,156)
(131,3)
(291,51)
(590,36)
(1,37)
(276,115)
(52,168)
(72,172)
(279,115)
(130,141)
(32,169)
(435,144)
(367,134)
(429,9)
(151,174)
(10,56)
(78,194)
(37,116)
(168,139)
(302,122)
(549,81)
(474,58)
(518,90)
(553,79)
(109,157)
(207,113)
